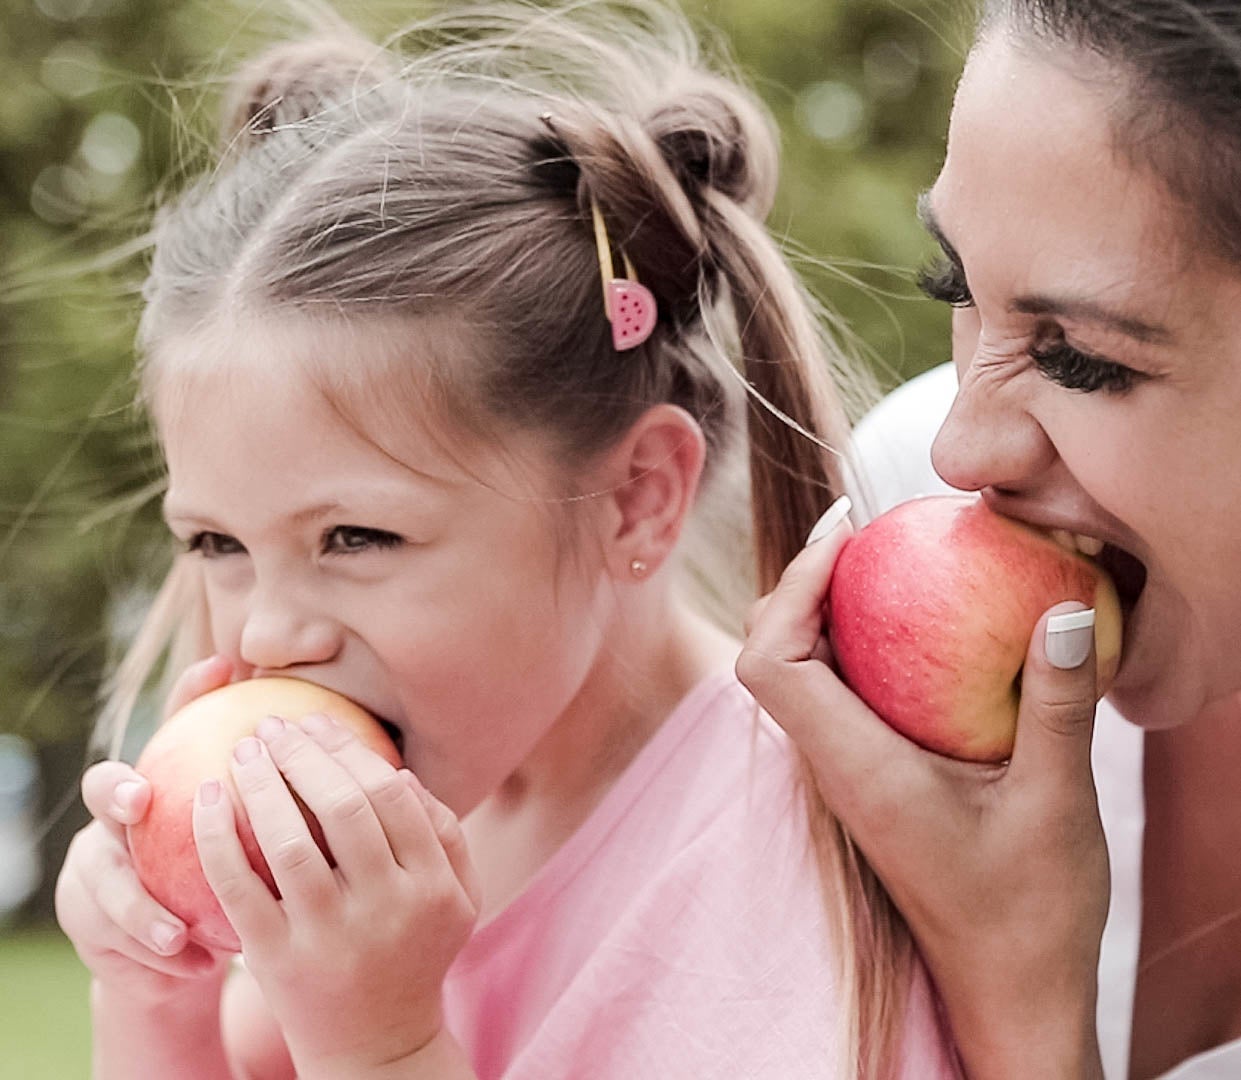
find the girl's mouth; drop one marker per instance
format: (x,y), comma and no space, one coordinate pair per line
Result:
(394,733)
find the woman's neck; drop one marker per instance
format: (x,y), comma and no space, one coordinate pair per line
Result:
(1188,996)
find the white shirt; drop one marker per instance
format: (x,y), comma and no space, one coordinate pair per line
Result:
(892,447)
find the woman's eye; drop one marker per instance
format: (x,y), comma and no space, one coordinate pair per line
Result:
(1076,370)
(350,539)
(944,280)
(214,545)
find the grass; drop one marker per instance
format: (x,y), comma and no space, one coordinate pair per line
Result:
(44,1012)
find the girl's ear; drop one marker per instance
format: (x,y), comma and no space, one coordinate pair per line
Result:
(653,475)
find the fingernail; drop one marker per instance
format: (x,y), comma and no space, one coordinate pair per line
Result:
(835,514)
(209,792)
(123,796)
(247,750)
(316,724)
(269,727)
(1069,636)
(166,937)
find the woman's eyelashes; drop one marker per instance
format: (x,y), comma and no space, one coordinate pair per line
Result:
(338,540)
(1076,370)
(944,281)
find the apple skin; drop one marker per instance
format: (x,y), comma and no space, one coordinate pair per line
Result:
(196,744)
(930,611)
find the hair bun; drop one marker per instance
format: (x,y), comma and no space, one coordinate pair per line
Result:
(293,81)
(714,136)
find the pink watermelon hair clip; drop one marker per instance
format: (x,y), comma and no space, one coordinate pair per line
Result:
(630,305)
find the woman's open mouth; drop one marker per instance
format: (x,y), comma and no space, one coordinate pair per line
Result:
(1127,572)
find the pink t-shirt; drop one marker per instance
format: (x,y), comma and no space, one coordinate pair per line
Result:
(680,933)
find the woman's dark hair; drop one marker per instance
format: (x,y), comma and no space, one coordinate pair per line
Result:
(1181,116)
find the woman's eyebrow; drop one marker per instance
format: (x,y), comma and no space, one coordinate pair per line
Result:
(1082,309)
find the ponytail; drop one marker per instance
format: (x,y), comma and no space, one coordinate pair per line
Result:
(688,186)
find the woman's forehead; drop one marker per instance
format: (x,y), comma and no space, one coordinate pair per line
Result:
(1033,170)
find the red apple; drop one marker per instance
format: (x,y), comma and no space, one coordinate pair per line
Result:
(930,612)
(196,744)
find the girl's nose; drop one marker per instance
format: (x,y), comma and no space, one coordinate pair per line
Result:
(990,439)
(282,634)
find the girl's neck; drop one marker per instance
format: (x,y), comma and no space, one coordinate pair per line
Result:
(633,688)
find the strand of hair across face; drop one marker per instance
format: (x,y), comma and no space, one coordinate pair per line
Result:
(1195,935)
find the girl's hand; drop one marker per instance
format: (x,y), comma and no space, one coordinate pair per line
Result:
(1000,871)
(352,958)
(123,935)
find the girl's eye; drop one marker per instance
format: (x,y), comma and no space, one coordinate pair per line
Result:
(1076,370)
(214,545)
(351,539)
(944,280)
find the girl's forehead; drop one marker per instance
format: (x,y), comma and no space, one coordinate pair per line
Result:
(403,386)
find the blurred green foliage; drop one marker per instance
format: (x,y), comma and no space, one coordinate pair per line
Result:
(44,1008)
(93,125)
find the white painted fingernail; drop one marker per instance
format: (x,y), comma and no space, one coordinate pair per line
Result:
(1069,637)
(835,514)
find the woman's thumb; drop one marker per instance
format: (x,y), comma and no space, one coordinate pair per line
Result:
(1055,719)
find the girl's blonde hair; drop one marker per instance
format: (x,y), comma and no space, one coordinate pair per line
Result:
(455,181)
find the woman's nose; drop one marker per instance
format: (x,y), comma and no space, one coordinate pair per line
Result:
(989,438)
(281,632)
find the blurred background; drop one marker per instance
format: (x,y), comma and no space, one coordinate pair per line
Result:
(103,106)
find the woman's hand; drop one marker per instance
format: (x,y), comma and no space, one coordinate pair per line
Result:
(1000,871)
(352,957)
(122,934)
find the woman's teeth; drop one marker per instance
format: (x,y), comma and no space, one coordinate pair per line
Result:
(1087,545)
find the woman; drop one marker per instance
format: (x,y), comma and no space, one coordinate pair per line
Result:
(1091,238)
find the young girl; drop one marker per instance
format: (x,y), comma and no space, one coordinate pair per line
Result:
(439,359)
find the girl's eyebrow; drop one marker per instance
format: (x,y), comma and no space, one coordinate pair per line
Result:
(1080,309)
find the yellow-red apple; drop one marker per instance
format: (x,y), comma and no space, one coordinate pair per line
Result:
(195,744)
(930,612)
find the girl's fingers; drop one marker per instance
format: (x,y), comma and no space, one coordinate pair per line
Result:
(409,835)
(103,906)
(301,871)
(115,795)
(451,836)
(256,915)
(124,901)
(198,679)
(343,805)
